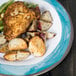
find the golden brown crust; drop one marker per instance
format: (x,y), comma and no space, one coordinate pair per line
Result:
(4,48)
(10,56)
(17,44)
(37,46)
(17,19)
(46,16)
(21,55)
(16,55)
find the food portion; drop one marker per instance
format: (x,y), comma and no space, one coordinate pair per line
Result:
(50,35)
(17,44)
(4,48)
(17,19)
(46,16)
(23,30)
(2,39)
(44,26)
(33,26)
(16,55)
(10,56)
(37,46)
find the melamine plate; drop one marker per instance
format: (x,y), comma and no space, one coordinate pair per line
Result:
(56,48)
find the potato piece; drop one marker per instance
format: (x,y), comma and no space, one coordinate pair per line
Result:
(40,34)
(4,48)
(37,46)
(50,35)
(44,25)
(17,44)
(16,55)
(33,27)
(46,16)
(21,55)
(2,39)
(32,34)
(10,56)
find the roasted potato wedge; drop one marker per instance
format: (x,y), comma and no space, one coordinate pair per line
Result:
(17,44)
(2,39)
(50,35)
(16,55)
(10,56)
(46,16)
(33,27)
(4,48)
(44,26)
(37,46)
(21,55)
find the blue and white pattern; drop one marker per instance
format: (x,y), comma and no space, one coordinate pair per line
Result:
(51,59)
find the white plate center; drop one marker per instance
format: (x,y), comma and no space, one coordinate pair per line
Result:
(50,44)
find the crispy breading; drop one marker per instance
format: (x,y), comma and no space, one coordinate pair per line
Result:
(17,19)
(37,46)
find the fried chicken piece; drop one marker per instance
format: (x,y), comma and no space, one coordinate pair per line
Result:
(17,19)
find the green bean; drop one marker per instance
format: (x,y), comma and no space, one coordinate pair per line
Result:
(5,5)
(1,25)
(30,5)
(3,8)
(1,28)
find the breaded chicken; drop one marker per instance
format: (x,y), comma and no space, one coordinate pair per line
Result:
(17,19)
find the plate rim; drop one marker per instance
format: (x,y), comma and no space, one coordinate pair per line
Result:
(49,50)
(68,48)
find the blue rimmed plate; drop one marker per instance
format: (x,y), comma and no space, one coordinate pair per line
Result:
(57,48)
